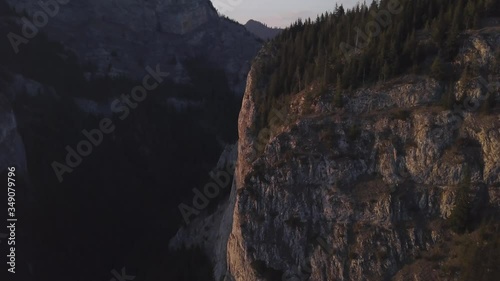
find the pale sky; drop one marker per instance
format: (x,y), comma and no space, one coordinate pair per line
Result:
(280,13)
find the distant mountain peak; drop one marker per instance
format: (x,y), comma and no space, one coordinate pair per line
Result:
(261,30)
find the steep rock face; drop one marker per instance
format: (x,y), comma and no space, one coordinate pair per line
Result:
(121,37)
(211,231)
(355,193)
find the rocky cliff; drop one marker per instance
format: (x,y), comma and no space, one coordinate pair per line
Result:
(358,192)
(121,37)
(363,191)
(51,92)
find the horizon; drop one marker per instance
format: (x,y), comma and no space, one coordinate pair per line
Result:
(277,13)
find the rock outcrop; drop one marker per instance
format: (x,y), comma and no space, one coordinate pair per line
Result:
(356,193)
(121,37)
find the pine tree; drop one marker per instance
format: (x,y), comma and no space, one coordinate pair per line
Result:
(339,12)
(451,46)
(337,100)
(317,51)
(437,69)
(470,15)
(438,28)
(460,216)
(385,72)
(274,85)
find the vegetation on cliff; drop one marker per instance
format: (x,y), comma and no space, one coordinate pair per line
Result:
(370,43)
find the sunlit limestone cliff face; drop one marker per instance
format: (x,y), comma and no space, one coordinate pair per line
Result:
(363,191)
(121,37)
